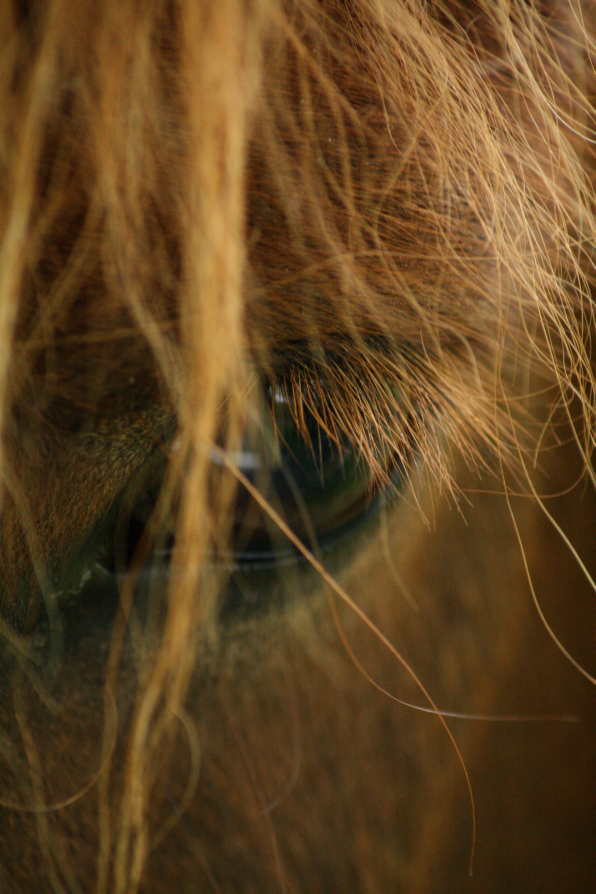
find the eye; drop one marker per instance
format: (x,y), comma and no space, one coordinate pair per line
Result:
(320,485)
(321,488)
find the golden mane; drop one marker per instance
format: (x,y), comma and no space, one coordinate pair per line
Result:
(385,208)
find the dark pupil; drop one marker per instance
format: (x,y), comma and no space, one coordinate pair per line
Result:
(319,487)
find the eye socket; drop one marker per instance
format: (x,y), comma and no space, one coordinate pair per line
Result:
(324,491)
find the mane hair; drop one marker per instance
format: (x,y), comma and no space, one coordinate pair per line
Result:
(384,208)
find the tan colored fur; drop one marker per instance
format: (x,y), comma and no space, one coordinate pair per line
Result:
(385,208)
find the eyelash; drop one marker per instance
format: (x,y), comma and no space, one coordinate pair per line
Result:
(356,399)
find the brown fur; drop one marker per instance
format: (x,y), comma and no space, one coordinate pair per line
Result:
(385,209)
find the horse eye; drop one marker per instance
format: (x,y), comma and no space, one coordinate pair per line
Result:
(324,492)
(321,489)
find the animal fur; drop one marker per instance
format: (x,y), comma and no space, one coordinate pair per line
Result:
(384,208)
